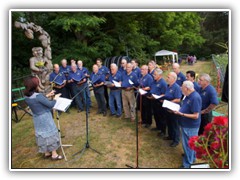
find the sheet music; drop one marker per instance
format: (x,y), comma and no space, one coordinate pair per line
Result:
(170,105)
(157,96)
(130,82)
(142,92)
(62,104)
(117,84)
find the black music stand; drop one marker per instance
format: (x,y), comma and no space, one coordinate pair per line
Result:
(87,145)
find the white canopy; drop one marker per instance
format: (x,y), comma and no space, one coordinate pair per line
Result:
(167,53)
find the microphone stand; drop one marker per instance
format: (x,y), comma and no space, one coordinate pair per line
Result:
(137,146)
(87,144)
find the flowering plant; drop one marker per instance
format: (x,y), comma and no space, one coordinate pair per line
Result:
(212,145)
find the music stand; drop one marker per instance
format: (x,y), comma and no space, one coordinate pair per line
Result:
(87,145)
(58,107)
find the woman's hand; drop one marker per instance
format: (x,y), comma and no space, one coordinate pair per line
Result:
(57,96)
(51,94)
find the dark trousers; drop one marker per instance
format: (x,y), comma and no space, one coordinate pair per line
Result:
(205,119)
(159,115)
(62,90)
(99,95)
(146,112)
(106,96)
(173,127)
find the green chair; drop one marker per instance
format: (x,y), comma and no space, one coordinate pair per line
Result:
(214,112)
(17,98)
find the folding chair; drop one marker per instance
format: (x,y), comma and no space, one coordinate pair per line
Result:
(17,97)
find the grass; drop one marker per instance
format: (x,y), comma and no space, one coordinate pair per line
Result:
(114,138)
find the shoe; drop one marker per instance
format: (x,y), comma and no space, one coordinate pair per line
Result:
(132,119)
(47,156)
(167,138)
(160,134)
(173,144)
(154,129)
(147,125)
(118,116)
(104,113)
(59,157)
(79,110)
(112,115)
(99,112)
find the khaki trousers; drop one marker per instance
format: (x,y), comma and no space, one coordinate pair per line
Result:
(129,104)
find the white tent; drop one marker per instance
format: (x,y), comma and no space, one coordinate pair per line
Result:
(167,53)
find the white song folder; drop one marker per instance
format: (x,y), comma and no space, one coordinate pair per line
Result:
(170,105)
(62,104)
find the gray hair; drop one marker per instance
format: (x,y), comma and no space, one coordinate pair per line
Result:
(114,65)
(189,85)
(158,71)
(174,75)
(124,60)
(206,77)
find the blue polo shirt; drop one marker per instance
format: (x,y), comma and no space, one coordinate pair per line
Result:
(122,71)
(57,78)
(66,69)
(158,87)
(97,78)
(180,78)
(132,76)
(104,70)
(173,92)
(146,81)
(137,71)
(117,77)
(196,86)
(84,70)
(151,73)
(76,76)
(190,105)
(209,96)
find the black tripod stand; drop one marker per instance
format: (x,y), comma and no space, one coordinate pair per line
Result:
(87,145)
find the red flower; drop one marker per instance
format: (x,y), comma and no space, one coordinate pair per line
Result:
(212,145)
(221,121)
(215,145)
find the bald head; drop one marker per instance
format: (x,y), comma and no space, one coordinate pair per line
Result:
(176,67)
(56,68)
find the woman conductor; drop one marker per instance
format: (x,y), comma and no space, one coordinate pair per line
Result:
(46,132)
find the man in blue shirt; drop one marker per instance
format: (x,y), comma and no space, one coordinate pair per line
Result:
(98,80)
(76,79)
(173,94)
(59,81)
(158,87)
(136,69)
(190,76)
(145,107)
(65,69)
(189,121)
(123,66)
(209,100)
(130,81)
(115,92)
(104,70)
(180,76)
(85,84)
(151,67)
